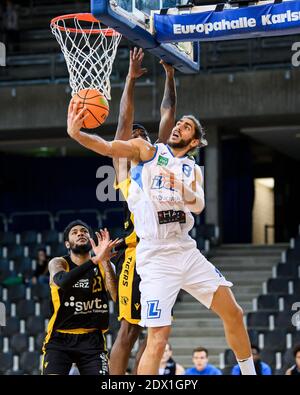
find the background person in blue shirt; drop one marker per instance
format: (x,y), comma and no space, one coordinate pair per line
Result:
(262,369)
(201,365)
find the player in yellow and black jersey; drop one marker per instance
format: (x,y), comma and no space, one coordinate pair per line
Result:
(79,286)
(128,280)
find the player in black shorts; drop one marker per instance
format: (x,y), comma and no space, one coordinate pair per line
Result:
(129,307)
(79,286)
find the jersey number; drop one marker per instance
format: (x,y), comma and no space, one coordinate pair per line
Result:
(187,170)
(97,284)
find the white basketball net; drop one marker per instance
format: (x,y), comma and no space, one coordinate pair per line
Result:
(89,53)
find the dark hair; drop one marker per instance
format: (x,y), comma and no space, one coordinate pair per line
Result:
(139,126)
(199,131)
(296,349)
(254,347)
(200,349)
(71,225)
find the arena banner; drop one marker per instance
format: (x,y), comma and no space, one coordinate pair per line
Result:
(232,23)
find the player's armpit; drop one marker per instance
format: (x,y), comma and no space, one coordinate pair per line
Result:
(121,166)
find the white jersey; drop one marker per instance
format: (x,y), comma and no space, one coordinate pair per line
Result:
(159,211)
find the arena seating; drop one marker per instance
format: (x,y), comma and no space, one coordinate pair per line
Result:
(272,315)
(28,311)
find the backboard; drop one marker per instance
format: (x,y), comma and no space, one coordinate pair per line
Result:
(132,18)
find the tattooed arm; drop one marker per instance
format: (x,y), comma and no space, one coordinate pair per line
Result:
(110,279)
(168,105)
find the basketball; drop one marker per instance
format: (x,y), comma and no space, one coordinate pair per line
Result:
(96,105)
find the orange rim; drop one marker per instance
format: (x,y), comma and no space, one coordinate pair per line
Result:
(86,17)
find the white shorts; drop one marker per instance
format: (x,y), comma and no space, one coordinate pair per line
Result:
(165,267)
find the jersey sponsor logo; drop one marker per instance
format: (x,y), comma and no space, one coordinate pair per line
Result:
(162,161)
(88,306)
(168,216)
(153,311)
(161,182)
(124,300)
(161,198)
(137,306)
(83,283)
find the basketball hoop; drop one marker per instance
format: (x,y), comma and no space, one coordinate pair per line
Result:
(89,50)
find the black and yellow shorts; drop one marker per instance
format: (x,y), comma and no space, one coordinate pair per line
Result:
(87,350)
(129,296)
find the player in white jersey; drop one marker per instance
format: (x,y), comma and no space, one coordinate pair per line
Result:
(166,187)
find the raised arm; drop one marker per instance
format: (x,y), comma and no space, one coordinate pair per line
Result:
(103,253)
(126,113)
(111,282)
(168,105)
(136,150)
